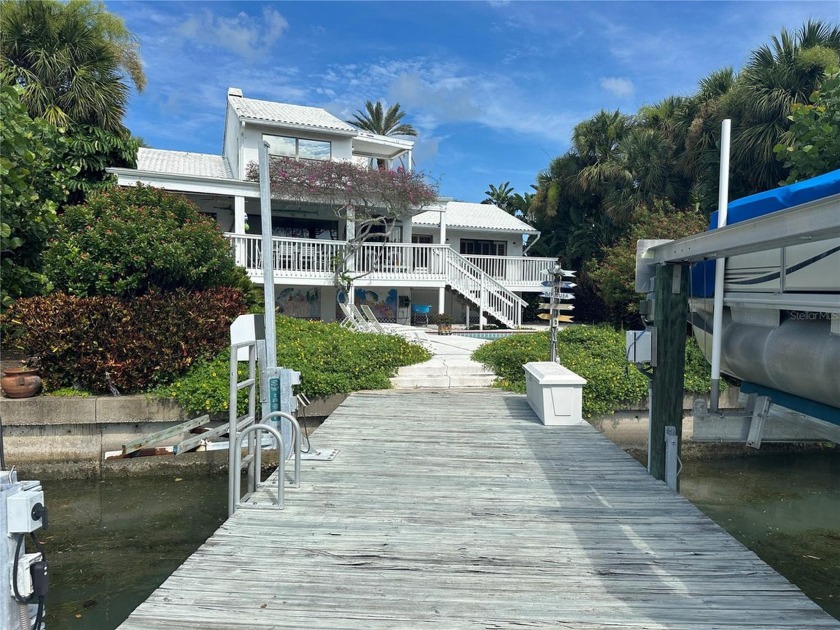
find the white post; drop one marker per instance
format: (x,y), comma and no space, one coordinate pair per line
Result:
(441,299)
(720,265)
(267,260)
(239,221)
(443,227)
(481,304)
(351,262)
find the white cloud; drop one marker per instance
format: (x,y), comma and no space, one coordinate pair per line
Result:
(248,36)
(620,86)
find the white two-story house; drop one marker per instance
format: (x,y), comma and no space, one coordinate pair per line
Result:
(465,259)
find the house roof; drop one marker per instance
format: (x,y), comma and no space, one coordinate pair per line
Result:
(475,216)
(183,163)
(289,115)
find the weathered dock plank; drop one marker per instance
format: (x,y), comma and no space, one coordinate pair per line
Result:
(459,510)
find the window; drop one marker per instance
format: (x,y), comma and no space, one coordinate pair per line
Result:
(421,238)
(483,248)
(296,228)
(299,147)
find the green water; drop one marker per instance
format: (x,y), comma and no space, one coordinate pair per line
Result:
(784,507)
(112,543)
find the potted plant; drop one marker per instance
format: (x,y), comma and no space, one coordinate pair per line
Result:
(444,323)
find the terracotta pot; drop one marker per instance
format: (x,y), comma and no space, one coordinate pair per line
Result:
(20,382)
(444,329)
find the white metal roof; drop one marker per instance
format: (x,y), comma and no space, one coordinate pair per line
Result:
(483,216)
(290,115)
(182,163)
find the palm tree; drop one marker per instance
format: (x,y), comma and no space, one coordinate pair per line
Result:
(499,196)
(388,123)
(778,75)
(73,61)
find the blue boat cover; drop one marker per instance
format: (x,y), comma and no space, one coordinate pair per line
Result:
(703,274)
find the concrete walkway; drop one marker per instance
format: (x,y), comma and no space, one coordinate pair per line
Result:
(450,366)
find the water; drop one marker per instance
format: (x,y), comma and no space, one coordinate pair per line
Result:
(785,507)
(112,543)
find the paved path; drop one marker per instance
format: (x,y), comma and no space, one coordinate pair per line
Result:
(451,366)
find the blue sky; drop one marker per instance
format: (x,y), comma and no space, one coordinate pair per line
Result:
(493,88)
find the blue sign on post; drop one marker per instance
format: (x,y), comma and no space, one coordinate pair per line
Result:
(274,394)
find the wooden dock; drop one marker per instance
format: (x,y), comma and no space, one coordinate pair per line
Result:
(457,509)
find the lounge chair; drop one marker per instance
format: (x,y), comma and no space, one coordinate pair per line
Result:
(394,329)
(354,320)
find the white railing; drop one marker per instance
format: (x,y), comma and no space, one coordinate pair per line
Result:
(488,294)
(292,257)
(516,270)
(403,260)
(316,259)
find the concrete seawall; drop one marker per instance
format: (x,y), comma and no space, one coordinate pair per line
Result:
(66,437)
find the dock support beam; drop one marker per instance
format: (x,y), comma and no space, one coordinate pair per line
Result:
(670,316)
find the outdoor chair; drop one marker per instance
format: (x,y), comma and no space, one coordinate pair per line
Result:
(354,321)
(394,329)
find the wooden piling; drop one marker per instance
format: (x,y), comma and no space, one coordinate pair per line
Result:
(670,315)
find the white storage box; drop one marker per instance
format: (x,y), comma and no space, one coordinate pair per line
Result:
(554,392)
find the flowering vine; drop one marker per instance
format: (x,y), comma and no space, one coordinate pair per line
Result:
(374,199)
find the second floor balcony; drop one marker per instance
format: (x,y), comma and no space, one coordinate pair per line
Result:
(313,261)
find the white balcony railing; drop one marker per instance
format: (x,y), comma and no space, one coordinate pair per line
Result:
(486,281)
(514,270)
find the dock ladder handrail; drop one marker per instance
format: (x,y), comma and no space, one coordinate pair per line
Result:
(238,424)
(236,449)
(240,427)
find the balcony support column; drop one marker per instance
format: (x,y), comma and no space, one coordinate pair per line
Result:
(239,221)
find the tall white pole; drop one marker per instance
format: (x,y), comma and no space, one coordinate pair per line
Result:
(267,260)
(720,264)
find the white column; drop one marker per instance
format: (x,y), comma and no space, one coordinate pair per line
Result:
(441,299)
(406,230)
(239,221)
(351,262)
(443,227)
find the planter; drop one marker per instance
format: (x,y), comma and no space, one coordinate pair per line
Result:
(444,329)
(20,382)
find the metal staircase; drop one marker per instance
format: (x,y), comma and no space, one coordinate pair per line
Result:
(489,295)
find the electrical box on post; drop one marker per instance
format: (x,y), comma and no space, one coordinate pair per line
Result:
(25,511)
(639,345)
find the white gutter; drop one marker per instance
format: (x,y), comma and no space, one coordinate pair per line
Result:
(720,265)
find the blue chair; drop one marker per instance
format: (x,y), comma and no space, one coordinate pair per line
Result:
(421,309)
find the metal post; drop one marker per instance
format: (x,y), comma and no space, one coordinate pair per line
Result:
(671,458)
(720,266)
(267,259)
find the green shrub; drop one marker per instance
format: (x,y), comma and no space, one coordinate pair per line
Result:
(138,343)
(614,275)
(33,183)
(128,241)
(597,353)
(331,360)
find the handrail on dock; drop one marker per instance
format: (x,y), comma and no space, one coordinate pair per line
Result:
(296,442)
(281,461)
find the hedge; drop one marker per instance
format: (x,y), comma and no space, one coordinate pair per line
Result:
(331,360)
(95,342)
(597,353)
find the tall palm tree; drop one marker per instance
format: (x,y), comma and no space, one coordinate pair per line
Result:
(778,75)
(74,61)
(375,120)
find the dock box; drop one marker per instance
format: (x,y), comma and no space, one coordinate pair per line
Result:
(554,392)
